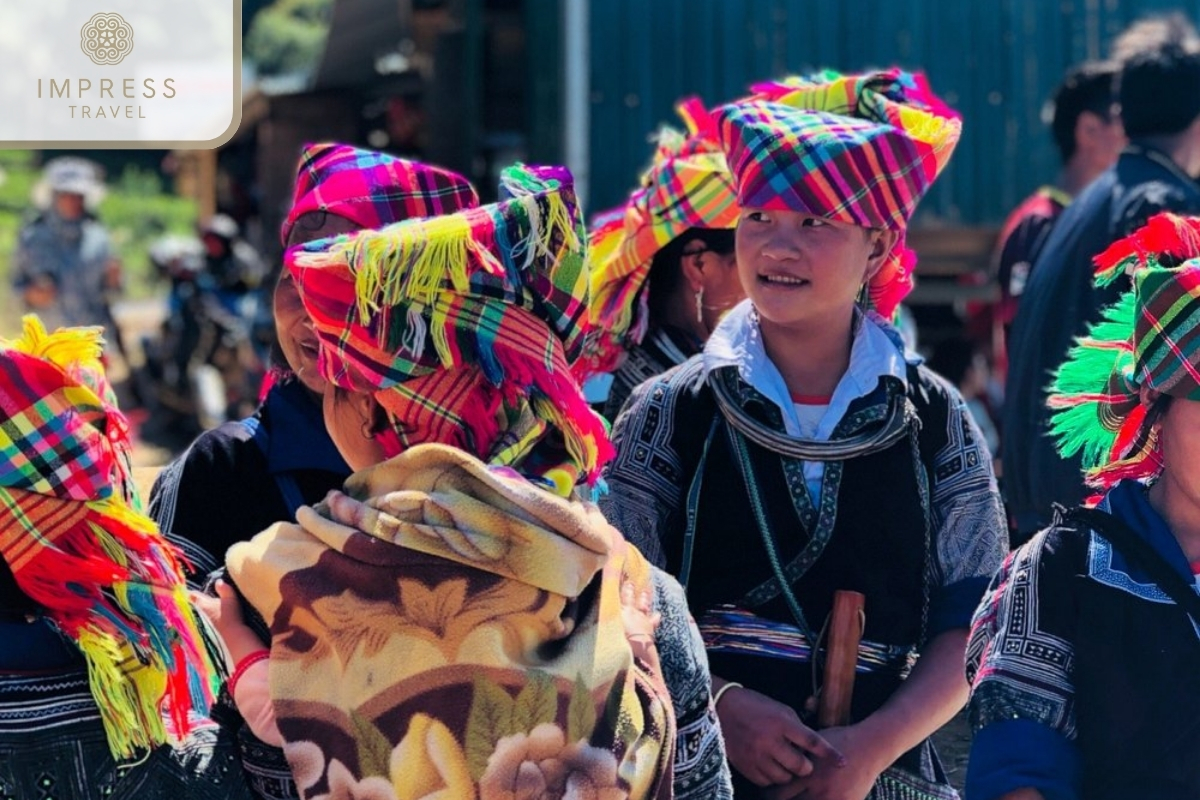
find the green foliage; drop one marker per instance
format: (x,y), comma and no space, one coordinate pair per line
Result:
(581,713)
(136,211)
(16,158)
(139,182)
(19,176)
(490,719)
(288,36)
(496,714)
(374,751)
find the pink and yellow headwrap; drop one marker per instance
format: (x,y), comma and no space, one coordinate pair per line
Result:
(372,189)
(861,149)
(688,185)
(467,321)
(72,532)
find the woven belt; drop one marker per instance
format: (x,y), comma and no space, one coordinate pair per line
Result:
(727,629)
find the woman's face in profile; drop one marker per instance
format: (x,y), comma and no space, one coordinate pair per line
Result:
(293,327)
(349,418)
(1180,434)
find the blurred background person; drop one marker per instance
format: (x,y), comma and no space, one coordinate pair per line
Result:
(64,267)
(1155,172)
(206,366)
(232,262)
(228,366)
(1087,131)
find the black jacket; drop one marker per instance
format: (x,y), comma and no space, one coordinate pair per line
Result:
(241,478)
(1059,302)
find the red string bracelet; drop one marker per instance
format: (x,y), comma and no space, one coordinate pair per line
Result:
(245,664)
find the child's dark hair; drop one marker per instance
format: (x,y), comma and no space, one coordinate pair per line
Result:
(1170,71)
(1090,86)
(665,273)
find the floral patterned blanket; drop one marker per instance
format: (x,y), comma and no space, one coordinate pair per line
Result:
(450,630)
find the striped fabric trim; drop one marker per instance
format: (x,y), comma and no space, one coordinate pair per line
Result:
(34,703)
(1167,334)
(728,629)
(39,522)
(200,562)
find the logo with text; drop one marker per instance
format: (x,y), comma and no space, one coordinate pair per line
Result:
(106,38)
(79,81)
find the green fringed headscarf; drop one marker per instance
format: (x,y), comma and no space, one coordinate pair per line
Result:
(1150,337)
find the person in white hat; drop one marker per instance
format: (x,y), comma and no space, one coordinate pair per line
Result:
(65,269)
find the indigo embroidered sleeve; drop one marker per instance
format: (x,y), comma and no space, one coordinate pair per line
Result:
(701,768)
(1020,663)
(970,536)
(644,479)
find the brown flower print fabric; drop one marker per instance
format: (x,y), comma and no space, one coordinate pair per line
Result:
(451,630)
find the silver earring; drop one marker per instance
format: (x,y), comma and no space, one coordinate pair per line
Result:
(700,305)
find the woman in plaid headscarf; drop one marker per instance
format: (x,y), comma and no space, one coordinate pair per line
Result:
(456,622)
(662,264)
(104,676)
(265,467)
(806,452)
(1083,653)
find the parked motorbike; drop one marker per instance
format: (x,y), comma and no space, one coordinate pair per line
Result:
(207,364)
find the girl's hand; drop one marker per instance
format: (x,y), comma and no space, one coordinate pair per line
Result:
(768,743)
(225,613)
(864,763)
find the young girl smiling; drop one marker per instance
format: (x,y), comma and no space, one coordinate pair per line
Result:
(805,452)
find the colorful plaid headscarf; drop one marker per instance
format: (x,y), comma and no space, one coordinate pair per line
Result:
(372,189)
(72,532)
(861,149)
(465,323)
(1150,337)
(688,185)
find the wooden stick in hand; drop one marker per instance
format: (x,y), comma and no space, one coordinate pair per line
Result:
(841,657)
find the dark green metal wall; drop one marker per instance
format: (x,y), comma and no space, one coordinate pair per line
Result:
(996,61)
